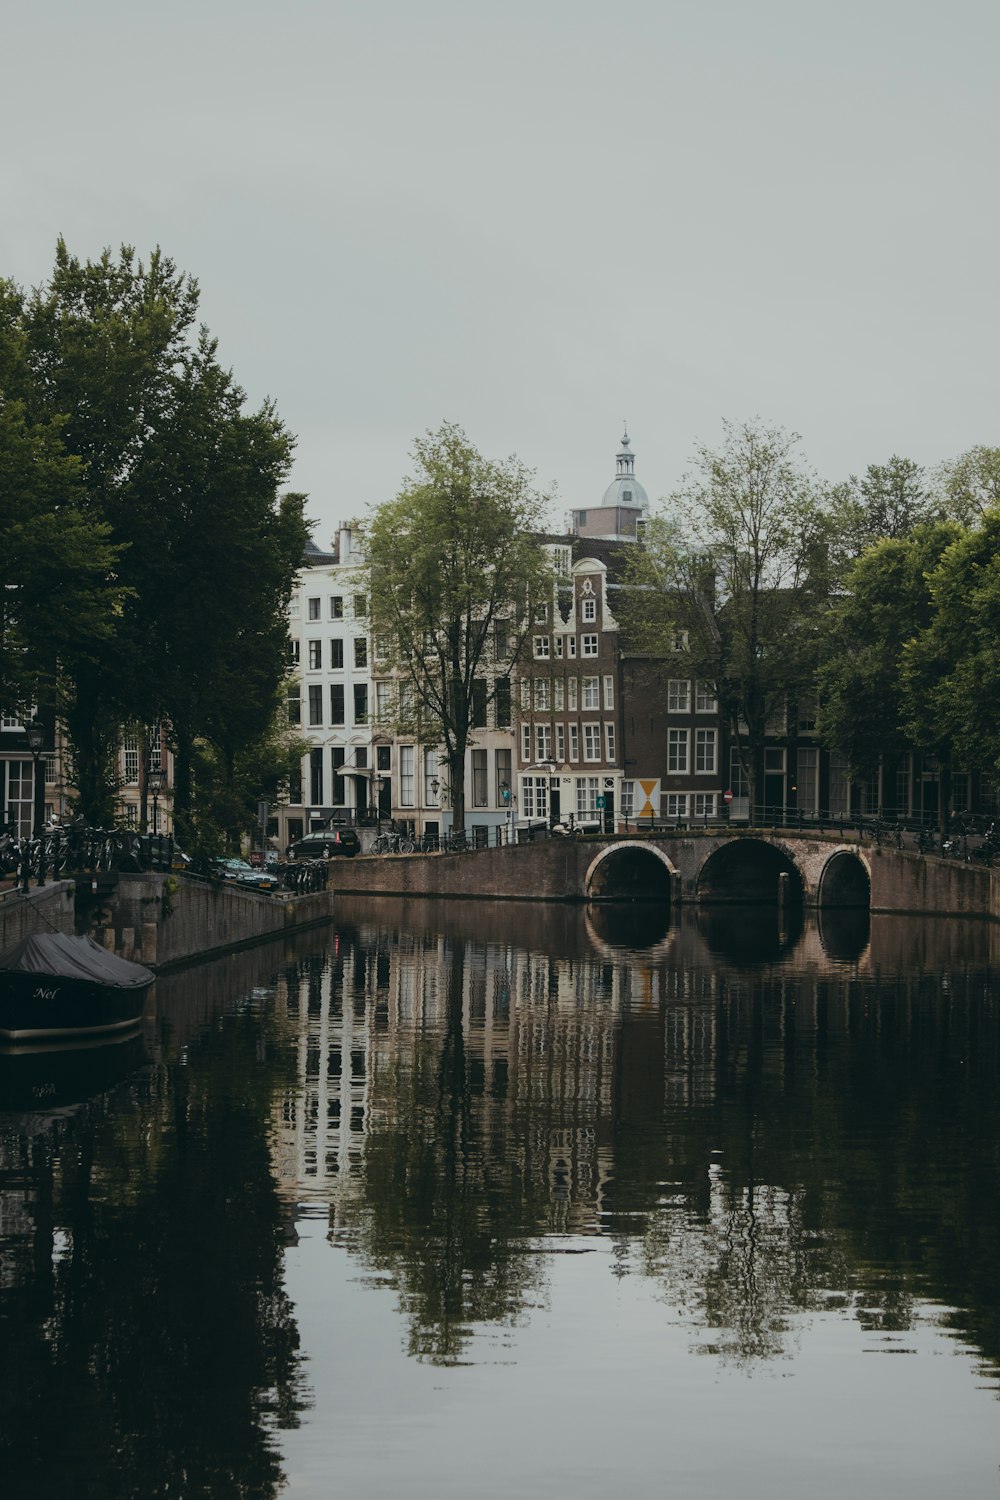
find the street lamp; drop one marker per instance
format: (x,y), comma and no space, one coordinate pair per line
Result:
(35,734)
(435,787)
(155,780)
(377,782)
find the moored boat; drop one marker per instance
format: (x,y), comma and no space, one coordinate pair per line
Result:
(54,985)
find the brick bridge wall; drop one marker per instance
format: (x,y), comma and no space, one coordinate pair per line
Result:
(571,870)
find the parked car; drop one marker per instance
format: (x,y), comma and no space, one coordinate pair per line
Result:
(325,843)
(238,872)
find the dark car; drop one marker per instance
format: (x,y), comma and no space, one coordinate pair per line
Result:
(325,843)
(239,872)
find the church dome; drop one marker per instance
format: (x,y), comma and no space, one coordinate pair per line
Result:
(625,489)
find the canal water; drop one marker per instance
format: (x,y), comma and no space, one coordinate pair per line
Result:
(522,1201)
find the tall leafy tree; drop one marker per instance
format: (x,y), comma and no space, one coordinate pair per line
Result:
(740,565)
(185,482)
(970,484)
(868,708)
(888,501)
(454,566)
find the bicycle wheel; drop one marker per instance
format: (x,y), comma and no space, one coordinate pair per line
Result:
(380,845)
(406,846)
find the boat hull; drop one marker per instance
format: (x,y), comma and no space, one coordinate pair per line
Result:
(38,1006)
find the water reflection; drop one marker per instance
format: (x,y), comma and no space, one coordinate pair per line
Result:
(766,1126)
(759,1120)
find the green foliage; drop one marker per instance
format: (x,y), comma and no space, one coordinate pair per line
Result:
(867,709)
(453,557)
(970,484)
(744,568)
(153,495)
(888,502)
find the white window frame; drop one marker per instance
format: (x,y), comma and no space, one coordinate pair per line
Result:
(609,742)
(591,693)
(590,645)
(705,699)
(592,743)
(589,613)
(706,752)
(679,695)
(574,742)
(678,751)
(541,647)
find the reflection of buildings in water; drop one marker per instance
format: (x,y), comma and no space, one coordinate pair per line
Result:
(557,1053)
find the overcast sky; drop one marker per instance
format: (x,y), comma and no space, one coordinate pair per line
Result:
(539,219)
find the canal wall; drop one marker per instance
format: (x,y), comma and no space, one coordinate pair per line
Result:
(160,920)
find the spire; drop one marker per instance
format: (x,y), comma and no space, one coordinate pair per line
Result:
(625,463)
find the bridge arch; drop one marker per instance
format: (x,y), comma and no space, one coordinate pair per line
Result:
(629,870)
(845,880)
(750,870)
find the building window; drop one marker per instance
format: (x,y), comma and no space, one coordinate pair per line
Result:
(705,701)
(525,742)
(535,796)
(316,777)
(738,783)
(543,696)
(560,743)
(675,804)
(431,775)
(561,561)
(558,695)
(609,742)
(360,606)
(591,741)
(591,692)
(361,651)
(609,692)
(807,781)
(574,742)
(589,611)
(315,705)
(703,804)
(571,645)
(541,647)
(704,752)
(558,642)
(501,703)
(541,614)
(571,686)
(293,655)
(336,606)
(337,797)
(336,654)
(589,647)
(383,702)
(479,696)
(294,704)
(361,703)
(406,764)
(479,779)
(677,750)
(501,641)
(315,655)
(543,742)
(503,771)
(336,702)
(586,795)
(627,799)
(312,609)
(678,696)
(130,759)
(679,641)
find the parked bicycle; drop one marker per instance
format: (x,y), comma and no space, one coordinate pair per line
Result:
(392,843)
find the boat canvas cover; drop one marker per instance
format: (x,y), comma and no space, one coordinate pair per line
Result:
(66,957)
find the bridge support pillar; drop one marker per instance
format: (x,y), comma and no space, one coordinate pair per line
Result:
(783,891)
(675,888)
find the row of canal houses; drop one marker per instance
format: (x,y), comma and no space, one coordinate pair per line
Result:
(587,729)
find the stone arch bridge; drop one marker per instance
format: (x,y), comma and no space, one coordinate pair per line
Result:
(718,865)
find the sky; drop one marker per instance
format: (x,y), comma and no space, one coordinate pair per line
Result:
(540,220)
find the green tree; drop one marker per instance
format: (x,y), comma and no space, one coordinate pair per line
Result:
(741,567)
(185,482)
(888,501)
(58,591)
(454,565)
(970,484)
(868,707)
(951,667)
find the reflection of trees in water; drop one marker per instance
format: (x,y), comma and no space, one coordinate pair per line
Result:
(145,1327)
(767,1143)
